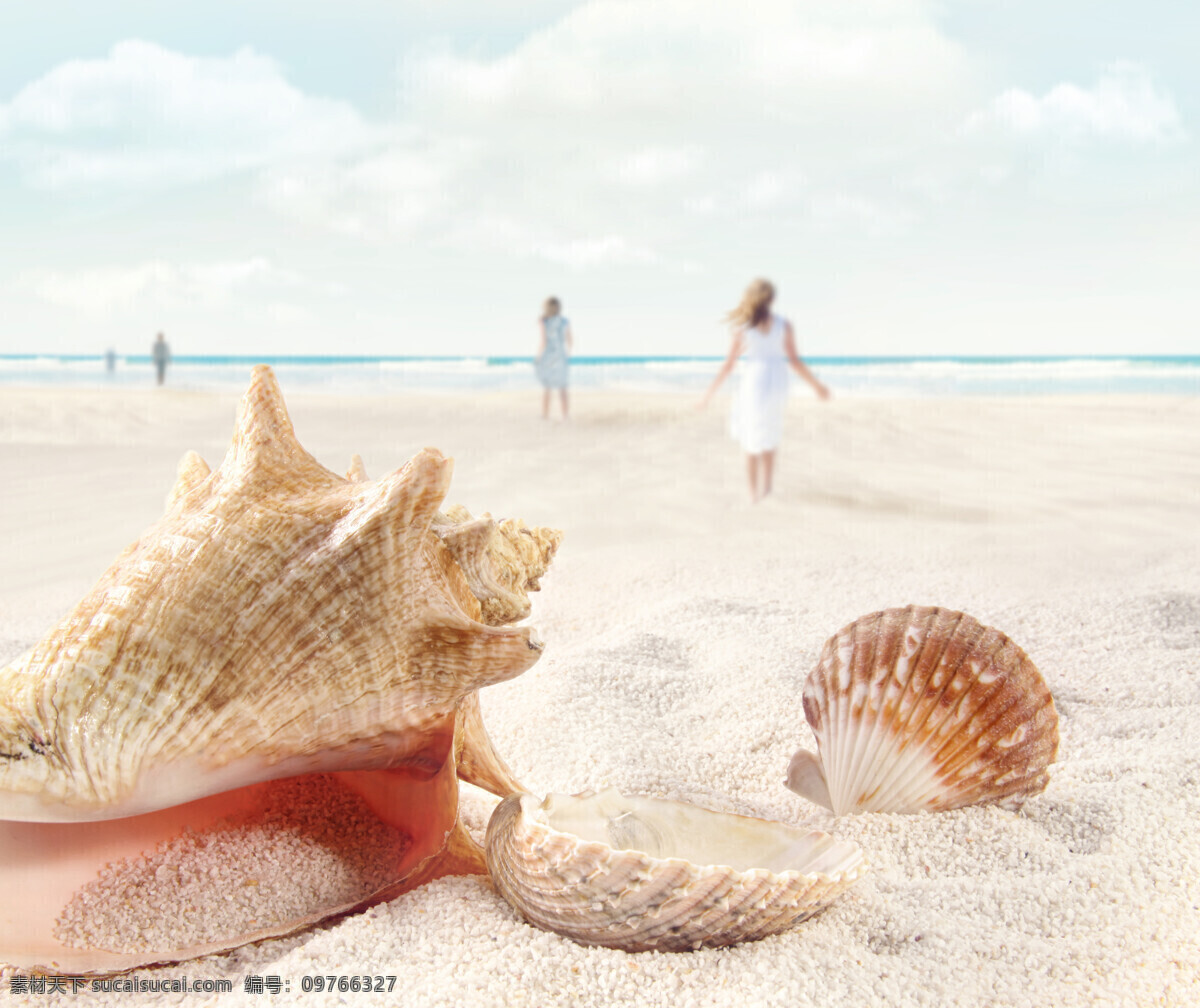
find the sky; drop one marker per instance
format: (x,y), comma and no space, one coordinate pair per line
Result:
(406,178)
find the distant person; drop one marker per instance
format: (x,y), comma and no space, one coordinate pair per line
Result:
(162,357)
(110,360)
(554,351)
(766,346)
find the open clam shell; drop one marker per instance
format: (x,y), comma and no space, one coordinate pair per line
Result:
(639,873)
(924,708)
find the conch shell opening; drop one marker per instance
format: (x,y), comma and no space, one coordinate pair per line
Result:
(282,635)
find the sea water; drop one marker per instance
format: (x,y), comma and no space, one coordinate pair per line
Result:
(905,377)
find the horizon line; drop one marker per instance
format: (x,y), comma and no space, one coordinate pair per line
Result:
(586,359)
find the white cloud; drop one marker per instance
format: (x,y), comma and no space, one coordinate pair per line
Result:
(650,118)
(514,238)
(623,133)
(406,188)
(110,289)
(772,188)
(145,115)
(839,211)
(1124,105)
(605,249)
(652,166)
(620,58)
(622,118)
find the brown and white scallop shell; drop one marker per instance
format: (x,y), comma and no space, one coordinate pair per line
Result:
(279,622)
(924,708)
(639,873)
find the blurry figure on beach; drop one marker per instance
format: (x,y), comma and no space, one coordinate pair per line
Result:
(161,353)
(110,360)
(766,345)
(554,351)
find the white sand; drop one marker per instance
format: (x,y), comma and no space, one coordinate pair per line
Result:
(680,625)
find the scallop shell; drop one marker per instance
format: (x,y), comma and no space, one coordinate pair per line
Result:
(279,620)
(924,709)
(639,873)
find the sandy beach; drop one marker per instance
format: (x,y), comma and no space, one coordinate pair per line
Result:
(680,624)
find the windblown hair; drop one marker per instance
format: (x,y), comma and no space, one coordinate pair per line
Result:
(551,308)
(755,305)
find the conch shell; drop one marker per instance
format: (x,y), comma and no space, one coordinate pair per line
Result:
(279,620)
(924,709)
(638,873)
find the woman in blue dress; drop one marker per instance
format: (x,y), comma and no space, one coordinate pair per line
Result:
(765,345)
(554,351)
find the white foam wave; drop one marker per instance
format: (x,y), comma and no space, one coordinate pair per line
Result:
(912,378)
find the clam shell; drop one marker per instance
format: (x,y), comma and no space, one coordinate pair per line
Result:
(639,873)
(279,622)
(924,708)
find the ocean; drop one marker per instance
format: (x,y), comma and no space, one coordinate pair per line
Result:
(877,377)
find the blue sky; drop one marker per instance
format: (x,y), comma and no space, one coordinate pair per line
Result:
(365,177)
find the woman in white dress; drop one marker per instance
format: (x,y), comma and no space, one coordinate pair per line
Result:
(766,345)
(554,351)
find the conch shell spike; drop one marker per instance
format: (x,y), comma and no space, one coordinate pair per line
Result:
(357,473)
(479,654)
(264,440)
(405,500)
(476,758)
(192,472)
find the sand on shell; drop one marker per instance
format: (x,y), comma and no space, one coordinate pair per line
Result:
(680,624)
(310,845)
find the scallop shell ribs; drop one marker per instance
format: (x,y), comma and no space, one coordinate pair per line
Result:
(641,873)
(279,620)
(924,708)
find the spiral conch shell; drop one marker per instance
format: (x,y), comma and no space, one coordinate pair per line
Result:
(280,621)
(924,708)
(639,873)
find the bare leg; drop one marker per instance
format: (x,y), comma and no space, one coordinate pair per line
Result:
(545,404)
(563,394)
(752,473)
(768,470)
